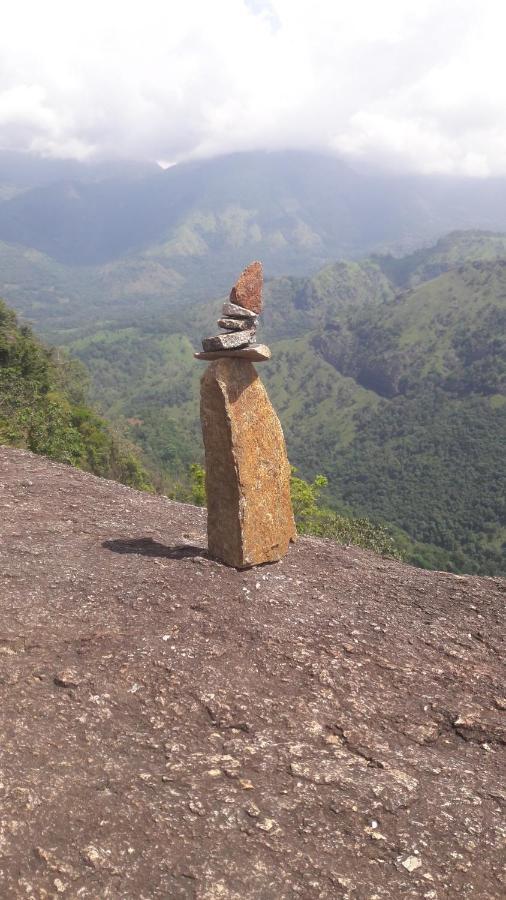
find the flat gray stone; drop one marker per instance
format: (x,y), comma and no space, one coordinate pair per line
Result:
(229,341)
(255,353)
(237,312)
(237,324)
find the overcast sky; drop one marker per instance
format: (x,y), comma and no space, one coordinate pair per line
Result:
(420,85)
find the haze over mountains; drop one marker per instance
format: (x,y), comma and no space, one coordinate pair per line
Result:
(114,240)
(388,371)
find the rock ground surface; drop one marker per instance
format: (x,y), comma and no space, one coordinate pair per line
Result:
(331,726)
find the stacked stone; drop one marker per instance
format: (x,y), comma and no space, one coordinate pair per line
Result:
(239,321)
(249,511)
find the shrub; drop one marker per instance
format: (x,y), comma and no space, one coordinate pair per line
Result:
(314,518)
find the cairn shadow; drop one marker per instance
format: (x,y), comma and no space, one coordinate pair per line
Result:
(149,547)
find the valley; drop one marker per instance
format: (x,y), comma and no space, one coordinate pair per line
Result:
(388,369)
(395,393)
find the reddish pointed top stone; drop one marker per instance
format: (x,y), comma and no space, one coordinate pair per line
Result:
(247,291)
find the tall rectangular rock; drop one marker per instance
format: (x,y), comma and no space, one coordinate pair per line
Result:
(250,518)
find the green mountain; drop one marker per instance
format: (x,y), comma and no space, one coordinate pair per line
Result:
(430,455)
(82,244)
(387,371)
(294,209)
(395,392)
(43,408)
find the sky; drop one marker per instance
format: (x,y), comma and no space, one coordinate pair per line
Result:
(417,86)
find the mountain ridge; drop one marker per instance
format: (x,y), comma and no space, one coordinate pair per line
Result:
(185,232)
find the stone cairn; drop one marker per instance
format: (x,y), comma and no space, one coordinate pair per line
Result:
(249,511)
(239,318)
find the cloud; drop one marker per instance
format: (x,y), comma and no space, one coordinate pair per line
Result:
(419,85)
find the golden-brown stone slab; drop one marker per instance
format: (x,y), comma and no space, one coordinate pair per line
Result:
(249,511)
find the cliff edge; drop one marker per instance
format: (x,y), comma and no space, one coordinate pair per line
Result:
(330,726)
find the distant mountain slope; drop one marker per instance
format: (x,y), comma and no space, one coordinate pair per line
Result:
(450,251)
(283,203)
(388,374)
(120,238)
(450,332)
(59,299)
(430,456)
(397,394)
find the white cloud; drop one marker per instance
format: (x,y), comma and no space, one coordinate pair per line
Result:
(414,84)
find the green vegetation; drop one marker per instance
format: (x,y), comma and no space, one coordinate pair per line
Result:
(43,408)
(313,517)
(439,475)
(436,356)
(388,376)
(198,484)
(396,392)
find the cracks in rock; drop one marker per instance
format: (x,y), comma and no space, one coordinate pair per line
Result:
(218,721)
(470,729)
(353,748)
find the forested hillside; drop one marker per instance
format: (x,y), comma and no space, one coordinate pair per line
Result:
(43,408)
(395,392)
